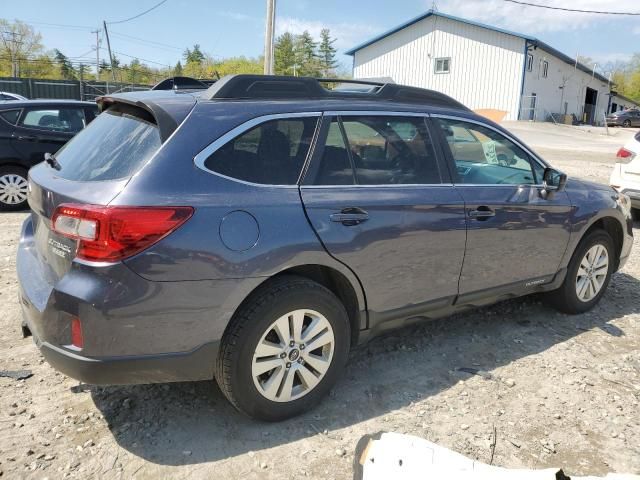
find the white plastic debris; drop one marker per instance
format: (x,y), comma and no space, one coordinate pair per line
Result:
(395,456)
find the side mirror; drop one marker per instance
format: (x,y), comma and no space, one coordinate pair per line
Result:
(553,181)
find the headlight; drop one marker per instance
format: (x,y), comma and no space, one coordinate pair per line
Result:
(625,204)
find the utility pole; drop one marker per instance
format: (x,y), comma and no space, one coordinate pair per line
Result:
(106,34)
(268,37)
(13,47)
(97,31)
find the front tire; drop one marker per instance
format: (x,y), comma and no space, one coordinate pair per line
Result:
(588,275)
(13,188)
(284,349)
(626,123)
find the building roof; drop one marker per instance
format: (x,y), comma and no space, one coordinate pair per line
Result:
(626,99)
(531,40)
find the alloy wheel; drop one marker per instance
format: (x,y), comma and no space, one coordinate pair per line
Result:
(13,189)
(293,355)
(592,273)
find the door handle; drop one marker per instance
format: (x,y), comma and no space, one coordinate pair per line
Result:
(350,216)
(28,138)
(482,213)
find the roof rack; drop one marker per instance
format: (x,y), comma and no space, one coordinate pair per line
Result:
(273,87)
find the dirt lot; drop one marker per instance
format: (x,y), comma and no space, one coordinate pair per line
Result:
(565,393)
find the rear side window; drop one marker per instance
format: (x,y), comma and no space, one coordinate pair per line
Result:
(272,153)
(114,146)
(10,116)
(68,120)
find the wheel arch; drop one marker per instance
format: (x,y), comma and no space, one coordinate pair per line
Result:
(13,162)
(612,226)
(348,290)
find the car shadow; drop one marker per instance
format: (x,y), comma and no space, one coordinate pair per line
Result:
(191,423)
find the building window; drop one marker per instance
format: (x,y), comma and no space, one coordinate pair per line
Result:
(545,69)
(443,65)
(529,62)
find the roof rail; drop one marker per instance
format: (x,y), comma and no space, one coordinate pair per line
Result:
(263,87)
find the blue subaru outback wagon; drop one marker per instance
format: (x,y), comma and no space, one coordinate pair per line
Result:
(256,231)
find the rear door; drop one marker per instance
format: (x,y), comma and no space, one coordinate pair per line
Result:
(8,120)
(516,238)
(381,202)
(44,129)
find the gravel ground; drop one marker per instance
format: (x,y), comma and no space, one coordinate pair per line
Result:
(564,391)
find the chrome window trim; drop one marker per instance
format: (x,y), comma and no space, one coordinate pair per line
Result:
(535,157)
(200,159)
(376,113)
(383,185)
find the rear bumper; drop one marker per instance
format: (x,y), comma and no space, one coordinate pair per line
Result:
(135,330)
(173,367)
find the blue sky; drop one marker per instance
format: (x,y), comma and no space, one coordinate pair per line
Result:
(229,28)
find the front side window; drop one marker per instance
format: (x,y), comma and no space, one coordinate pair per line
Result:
(442,65)
(485,157)
(545,69)
(272,153)
(69,120)
(529,62)
(378,150)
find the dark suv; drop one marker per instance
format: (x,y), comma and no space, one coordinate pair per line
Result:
(258,230)
(28,130)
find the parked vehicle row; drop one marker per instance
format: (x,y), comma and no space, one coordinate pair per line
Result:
(28,130)
(625,177)
(256,231)
(624,118)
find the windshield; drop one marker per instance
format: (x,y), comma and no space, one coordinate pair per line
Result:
(114,146)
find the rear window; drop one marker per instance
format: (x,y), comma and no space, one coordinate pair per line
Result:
(10,116)
(114,146)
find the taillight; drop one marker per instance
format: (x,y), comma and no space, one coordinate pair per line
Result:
(625,154)
(77,339)
(109,234)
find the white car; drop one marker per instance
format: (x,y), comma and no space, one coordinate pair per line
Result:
(626,173)
(6,96)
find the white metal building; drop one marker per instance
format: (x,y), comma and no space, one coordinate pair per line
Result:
(485,67)
(619,102)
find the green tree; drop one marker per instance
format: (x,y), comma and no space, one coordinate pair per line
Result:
(327,53)
(177,70)
(19,44)
(65,67)
(284,54)
(195,55)
(307,61)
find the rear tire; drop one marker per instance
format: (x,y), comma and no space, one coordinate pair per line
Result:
(626,123)
(264,367)
(588,275)
(13,188)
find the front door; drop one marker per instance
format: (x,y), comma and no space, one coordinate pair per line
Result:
(516,238)
(45,129)
(382,203)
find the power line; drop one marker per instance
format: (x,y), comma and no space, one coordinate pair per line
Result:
(138,58)
(139,15)
(145,42)
(58,25)
(575,10)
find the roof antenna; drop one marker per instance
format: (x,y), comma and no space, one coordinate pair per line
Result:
(434,6)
